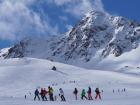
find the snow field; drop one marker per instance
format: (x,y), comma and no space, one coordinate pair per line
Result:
(22,76)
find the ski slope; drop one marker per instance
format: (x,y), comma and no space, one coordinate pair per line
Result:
(22,76)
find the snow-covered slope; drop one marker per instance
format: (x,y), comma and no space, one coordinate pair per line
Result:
(22,76)
(38,47)
(99,32)
(89,43)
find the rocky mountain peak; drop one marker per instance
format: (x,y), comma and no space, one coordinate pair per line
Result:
(96,32)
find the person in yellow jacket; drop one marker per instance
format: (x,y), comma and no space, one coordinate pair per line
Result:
(50,91)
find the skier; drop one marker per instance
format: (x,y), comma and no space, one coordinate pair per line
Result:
(97,91)
(83,94)
(89,94)
(50,91)
(25,97)
(54,68)
(113,91)
(75,92)
(61,94)
(43,94)
(118,90)
(36,94)
(124,89)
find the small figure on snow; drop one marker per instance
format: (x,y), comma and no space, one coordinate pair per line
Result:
(61,94)
(36,94)
(89,93)
(25,97)
(97,91)
(124,90)
(50,91)
(43,94)
(75,92)
(113,91)
(83,94)
(118,90)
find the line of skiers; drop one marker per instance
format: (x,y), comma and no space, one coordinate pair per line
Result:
(120,90)
(89,93)
(43,93)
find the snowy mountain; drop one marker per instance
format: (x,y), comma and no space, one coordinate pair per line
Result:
(4,52)
(95,39)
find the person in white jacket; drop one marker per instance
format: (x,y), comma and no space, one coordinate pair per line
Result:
(61,94)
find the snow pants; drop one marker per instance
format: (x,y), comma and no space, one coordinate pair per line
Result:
(75,96)
(37,97)
(98,95)
(83,96)
(44,98)
(62,98)
(90,96)
(51,97)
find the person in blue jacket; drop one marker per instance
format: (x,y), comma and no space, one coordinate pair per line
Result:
(36,94)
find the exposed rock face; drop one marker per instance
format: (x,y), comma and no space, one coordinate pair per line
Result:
(113,34)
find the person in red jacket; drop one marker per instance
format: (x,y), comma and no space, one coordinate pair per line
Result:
(97,91)
(43,94)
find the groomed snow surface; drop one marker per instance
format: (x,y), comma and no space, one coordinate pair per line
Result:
(22,76)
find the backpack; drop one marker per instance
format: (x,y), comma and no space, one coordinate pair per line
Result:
(97,90)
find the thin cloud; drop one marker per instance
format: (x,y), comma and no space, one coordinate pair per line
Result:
(79,7)
(98,5)
(17,20)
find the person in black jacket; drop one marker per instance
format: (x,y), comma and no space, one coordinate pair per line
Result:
(97,91)
(75,92)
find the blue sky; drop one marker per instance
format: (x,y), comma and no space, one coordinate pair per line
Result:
(23,18)
(127,8)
